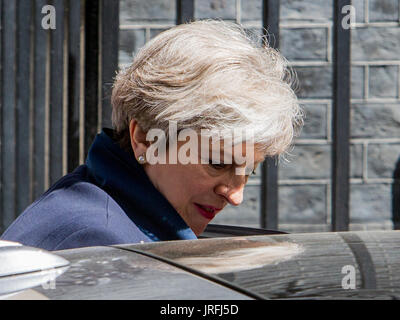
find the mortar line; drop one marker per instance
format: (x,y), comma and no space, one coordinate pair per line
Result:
(398,78)
(376,24)
(307,63)
(144,26)
(365,162)
(238,11)
(329,203)
(366,82)
(375,100)
(315,101)
(295,25)
(329,122)
(312,141)
(295,182)
(376,62)
(372,140)
(329,44)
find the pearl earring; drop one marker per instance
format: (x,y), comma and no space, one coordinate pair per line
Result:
(142,159)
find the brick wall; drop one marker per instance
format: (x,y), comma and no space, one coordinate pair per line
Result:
(375,114)
(306,41)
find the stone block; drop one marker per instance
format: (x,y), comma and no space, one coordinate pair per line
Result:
(307,162)
(251,10)
(383,10)
(221,9)
(382,160)
(314,82)
(135,11)
(156,31)
(383,81)
(359,6)
(309,10)
(304,43)
(357,82)
(375,121)
(370,202)
(246,214)
(375,43)
(130,41)
(304,204)
(315,122)
(356,160)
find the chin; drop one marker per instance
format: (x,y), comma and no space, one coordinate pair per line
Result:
(198,230)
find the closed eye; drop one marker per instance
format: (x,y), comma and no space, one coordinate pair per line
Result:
(217,166)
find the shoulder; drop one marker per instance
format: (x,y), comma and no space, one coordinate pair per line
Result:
(93,236)
(69,203)
(73,213)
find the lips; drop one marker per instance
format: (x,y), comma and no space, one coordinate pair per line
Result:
(207,212)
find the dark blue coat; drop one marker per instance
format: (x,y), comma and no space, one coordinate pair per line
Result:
(108,200)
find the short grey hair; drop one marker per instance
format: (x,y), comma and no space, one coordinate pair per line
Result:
(213,75)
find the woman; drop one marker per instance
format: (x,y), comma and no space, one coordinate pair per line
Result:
(184,102)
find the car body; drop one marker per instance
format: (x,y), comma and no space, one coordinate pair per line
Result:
(259,265)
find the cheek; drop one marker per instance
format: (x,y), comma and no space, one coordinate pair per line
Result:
(190,183)
(183,184)
(193,183)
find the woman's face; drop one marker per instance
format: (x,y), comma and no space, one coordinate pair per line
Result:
(200,191)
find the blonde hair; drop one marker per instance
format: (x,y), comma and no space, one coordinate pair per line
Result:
(211,75)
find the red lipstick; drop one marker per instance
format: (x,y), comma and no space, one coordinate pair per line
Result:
(208,214)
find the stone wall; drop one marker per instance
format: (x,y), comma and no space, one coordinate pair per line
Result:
(306,41)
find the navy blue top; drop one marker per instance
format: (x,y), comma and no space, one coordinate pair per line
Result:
(108,200)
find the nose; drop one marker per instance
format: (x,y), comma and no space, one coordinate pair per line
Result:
(234,195)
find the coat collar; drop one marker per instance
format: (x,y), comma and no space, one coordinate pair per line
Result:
(123,178)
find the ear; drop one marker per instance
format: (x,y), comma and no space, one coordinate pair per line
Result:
(138,138)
